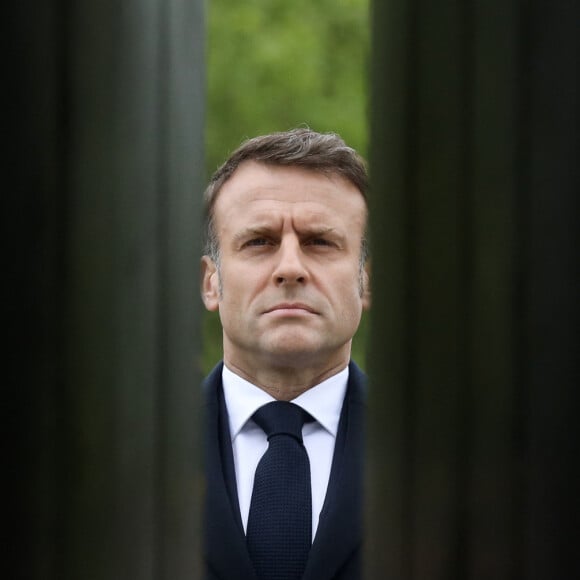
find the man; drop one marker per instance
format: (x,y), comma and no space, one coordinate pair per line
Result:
(285,267)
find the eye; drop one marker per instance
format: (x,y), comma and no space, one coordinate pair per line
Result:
(256,242)
(319,242)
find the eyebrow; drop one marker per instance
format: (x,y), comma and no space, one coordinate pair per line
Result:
(335,231)
(322,231)
(249,232)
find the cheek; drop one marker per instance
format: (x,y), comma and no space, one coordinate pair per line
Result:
(231,314)
(346,302)
(347,286)
(240,286)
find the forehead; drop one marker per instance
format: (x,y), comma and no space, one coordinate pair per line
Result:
(257,189)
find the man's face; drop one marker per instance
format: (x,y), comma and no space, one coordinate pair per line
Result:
(288,288)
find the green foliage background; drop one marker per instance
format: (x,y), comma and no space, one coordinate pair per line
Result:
(274,65)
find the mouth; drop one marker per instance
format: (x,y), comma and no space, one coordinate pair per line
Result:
(291,308)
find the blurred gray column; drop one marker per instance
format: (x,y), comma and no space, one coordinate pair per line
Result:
(101,204)
(475,343)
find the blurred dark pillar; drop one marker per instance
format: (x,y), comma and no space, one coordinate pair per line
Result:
(101,204)
(475,343)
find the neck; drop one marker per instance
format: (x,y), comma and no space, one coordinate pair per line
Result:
(285,383)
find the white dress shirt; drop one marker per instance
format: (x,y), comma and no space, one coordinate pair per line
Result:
(249,442)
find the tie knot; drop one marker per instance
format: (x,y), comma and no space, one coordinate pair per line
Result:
(282,418)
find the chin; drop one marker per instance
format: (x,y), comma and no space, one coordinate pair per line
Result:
(298,353)
(292,349)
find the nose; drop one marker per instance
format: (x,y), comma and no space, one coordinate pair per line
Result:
(290,268)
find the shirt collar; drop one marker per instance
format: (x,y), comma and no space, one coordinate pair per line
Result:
(323,401)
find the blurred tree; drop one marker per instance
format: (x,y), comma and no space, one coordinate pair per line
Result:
(274,65)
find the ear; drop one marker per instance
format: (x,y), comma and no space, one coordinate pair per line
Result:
(366,286)
(210,285)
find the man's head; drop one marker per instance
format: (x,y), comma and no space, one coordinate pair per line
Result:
(285,251)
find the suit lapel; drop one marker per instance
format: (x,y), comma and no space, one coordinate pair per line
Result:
(339,532)
(225,550)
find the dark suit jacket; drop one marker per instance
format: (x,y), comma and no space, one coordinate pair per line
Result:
(336,550)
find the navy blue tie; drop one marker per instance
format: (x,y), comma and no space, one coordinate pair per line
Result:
(279,532)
